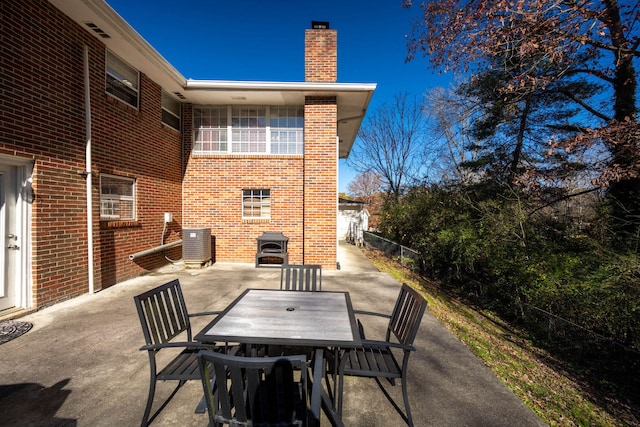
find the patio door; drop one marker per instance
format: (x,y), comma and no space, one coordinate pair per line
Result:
(12,247)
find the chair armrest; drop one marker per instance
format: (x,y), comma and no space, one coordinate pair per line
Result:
(372,313)
(204,313)
(177,344)
(387,344)
(368,313)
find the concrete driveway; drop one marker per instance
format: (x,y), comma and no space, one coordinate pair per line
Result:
(80,364)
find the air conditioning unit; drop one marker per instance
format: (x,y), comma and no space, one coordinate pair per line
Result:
(196,246)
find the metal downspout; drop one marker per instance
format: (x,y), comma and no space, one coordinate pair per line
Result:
(87,110)
(337,196)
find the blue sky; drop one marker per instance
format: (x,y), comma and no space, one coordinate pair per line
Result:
(260,40)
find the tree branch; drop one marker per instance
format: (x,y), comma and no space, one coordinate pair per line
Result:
(585,105)
(595,73)
(565,197)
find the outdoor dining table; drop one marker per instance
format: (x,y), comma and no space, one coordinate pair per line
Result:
(318,320)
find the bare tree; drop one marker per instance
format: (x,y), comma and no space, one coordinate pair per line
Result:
(365,186)
(452,115)
(389,143)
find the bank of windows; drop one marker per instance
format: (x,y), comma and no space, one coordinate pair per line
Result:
(170,111)
(249,129)
(122,80)
(117,198)
(256,204)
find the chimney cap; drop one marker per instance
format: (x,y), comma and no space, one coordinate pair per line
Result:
(320,25)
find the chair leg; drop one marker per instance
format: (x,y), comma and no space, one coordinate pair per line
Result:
(148,420)
(405,395)
(339,394)
(147,410)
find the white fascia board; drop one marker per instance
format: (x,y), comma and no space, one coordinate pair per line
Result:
(279,86)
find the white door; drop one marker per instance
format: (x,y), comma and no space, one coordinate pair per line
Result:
(10,240)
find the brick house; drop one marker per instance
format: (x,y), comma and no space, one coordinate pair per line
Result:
(100,137)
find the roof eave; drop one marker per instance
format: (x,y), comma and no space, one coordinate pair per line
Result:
(279,86)
(353,98)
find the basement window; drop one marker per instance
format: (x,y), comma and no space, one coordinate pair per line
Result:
(256,204)
(117,198)
(122,80)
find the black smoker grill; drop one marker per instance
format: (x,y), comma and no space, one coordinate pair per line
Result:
(272,247)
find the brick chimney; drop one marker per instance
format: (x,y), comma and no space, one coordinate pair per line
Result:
(321,53)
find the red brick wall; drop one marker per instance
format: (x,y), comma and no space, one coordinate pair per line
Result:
(212,194)
(213,198)
(320,181)
(303,189)
(303,193)
(321,55)
(42,117)
(140,147)
(320,152)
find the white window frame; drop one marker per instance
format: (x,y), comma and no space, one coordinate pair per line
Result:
(248,132)
(109,201)
(262,204)
(248,129)
(213,139)
(125,75)
(172,107)
(288,139)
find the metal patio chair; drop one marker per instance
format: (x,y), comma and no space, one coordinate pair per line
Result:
(294,277)
(259,391)
(163,316)
(375,359)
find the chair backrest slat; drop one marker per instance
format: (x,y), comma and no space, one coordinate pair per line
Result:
(407,315)
(258,404)
(294,277)
(163,313)
(221,400)
(237,395)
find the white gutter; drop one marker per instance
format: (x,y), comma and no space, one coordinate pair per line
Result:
(295,86)
(87,114)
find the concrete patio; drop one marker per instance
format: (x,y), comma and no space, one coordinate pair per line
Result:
(80,364)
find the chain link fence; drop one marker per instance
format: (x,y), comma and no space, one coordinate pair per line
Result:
(546,325)
(603,359)
(610,359)
(567,334)
(407,256)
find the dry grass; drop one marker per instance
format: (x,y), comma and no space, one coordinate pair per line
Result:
(558,397)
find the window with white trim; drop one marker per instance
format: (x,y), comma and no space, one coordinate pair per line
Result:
(286,126)
(171,111)
(256,204)
(249,129)
(210,129)
(117,198)
(122,80)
